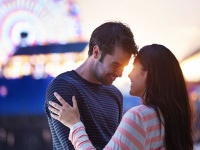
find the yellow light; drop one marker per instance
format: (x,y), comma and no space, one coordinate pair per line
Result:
(123,83)
(190,68)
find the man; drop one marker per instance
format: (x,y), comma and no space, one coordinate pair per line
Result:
(110,47)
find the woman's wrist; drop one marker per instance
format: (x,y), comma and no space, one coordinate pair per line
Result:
(75,127)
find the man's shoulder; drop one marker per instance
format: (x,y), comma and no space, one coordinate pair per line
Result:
(65,75)
(68,76)
(64,79)
(115,89)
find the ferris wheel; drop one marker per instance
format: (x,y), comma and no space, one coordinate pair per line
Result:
(42,21)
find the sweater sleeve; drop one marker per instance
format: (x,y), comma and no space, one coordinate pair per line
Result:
(129,135)
(79,137)
(139,129)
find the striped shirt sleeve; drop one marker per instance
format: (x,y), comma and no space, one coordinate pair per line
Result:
(136,131)
(79,137)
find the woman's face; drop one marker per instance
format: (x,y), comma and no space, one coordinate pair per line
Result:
(138,80)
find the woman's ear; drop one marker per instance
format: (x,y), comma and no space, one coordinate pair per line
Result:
(96,51)
(144,73)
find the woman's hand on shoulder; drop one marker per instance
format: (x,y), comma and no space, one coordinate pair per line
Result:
(66,114)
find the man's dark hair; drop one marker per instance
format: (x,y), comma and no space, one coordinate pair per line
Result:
(111,34)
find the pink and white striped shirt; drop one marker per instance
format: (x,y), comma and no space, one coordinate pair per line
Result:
(140,129)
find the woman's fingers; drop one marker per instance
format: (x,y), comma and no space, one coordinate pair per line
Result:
(61,100)
(52,109)
(74,102)
(54,116)
(75,106)
(55,105)
(66,114)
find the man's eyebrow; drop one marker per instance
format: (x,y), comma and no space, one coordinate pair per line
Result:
(119,64)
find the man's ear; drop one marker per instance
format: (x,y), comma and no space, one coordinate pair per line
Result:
(96,51)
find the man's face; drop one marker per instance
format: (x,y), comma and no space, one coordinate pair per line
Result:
(111,66)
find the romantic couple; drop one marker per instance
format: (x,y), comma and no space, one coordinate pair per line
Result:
(84,109)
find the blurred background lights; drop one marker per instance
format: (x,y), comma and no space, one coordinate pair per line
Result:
(3,91)
(23,27)
(41,22)
(190,67)
(29,28)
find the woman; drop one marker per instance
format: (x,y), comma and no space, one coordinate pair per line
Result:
(163,121)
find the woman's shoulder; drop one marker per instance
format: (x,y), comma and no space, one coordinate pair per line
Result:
(142,108)
(140,111)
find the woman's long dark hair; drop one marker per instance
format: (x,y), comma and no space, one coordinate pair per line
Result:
(166,89)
